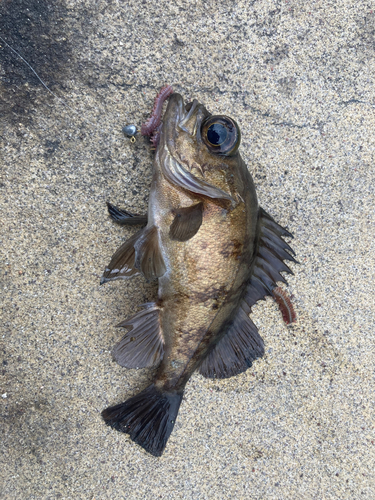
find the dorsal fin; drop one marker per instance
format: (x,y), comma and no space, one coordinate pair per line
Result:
(236,351)
(242,344)
(269,262)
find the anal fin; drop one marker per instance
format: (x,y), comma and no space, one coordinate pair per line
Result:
(142,346)
(236,351)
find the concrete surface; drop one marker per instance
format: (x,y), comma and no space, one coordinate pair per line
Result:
(299,79)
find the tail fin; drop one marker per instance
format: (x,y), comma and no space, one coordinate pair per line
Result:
(148,418)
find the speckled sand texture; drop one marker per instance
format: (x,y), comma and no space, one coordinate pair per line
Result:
(299,79)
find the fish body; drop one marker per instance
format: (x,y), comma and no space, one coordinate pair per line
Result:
(214,251)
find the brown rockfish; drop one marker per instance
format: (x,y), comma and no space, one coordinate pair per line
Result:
(215,253)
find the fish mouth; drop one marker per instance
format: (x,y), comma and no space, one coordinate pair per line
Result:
(180,117)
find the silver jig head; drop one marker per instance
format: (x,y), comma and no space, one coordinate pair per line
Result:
(130,131)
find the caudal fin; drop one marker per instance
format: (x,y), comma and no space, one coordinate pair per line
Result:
(148,418)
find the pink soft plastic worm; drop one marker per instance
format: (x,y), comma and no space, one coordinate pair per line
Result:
(154,139)
(285,305)
(154,121)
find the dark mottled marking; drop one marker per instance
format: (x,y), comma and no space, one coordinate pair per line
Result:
(233,249)
(218,294)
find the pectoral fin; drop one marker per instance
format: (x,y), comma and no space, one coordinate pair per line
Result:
(236,351)
(186,223)
(142,345)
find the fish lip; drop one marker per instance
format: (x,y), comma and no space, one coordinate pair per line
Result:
(188,114)
(175,118)
(173,115)
(175,111)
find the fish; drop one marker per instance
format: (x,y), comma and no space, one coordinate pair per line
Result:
(214,251)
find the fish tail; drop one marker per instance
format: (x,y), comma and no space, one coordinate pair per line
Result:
(148,418)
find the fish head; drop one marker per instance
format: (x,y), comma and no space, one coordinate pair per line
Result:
(198,149)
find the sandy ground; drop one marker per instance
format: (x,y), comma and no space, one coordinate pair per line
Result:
(299,79)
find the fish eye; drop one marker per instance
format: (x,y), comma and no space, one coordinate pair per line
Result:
(221,135)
